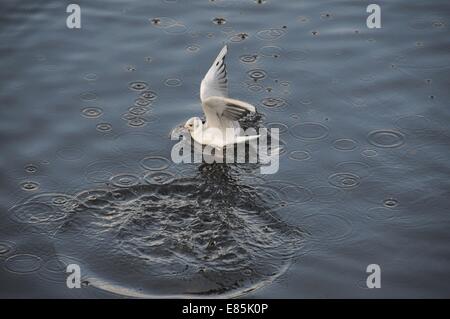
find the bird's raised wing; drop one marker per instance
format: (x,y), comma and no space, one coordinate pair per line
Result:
(220,111)
(215,82)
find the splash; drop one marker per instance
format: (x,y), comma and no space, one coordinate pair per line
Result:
(207,235)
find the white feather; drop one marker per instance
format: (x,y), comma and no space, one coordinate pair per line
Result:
(222,113)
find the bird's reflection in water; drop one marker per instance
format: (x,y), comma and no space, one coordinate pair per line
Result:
(206,235)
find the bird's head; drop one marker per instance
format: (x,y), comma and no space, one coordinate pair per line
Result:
(193,123)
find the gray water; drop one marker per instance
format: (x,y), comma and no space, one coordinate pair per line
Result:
(87,178)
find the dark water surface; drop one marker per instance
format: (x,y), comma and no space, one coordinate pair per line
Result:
(87,178)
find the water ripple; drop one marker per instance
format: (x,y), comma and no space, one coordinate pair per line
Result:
(155,163)
(199,236)
(270,34)
(6,248)
(23,263)
(309,131)
(386,138)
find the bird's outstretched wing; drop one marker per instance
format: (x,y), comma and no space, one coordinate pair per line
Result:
(220,110)
(215,82)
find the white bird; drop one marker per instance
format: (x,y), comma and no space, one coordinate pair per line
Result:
(222,113)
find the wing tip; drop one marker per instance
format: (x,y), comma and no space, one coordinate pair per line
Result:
(225,48)
(223,52)
(247,106)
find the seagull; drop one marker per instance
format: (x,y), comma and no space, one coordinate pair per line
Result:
(222,113)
